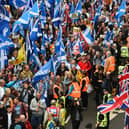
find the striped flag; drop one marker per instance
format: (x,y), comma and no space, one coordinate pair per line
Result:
(17,3)
(34,11)
(43,71)
(121,11)
(117,102)
(87,36)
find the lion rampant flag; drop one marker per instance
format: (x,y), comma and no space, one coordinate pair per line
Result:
(21,56)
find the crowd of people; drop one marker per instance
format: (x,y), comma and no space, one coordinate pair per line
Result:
(63,95)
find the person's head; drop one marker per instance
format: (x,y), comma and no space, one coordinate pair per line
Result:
(38,95)
(27,68)
(83,57)
(17,118)
(73,68)
(108,53)
(8,107)
(15,53)
(105,91)
(97,54)
(14,77)
(62,64)
(17,100)
(53,102)
(26,85)
(2,82)
(22,118)
(58,79)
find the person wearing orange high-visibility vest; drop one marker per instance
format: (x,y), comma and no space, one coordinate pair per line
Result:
(109,66)
(57,89)
(74,90)
(84,86)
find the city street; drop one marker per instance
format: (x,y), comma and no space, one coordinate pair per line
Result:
(89,117)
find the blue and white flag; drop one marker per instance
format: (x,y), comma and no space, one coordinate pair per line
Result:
(108,37)
(121,11)
(17,3)
(21,23)
(79,7)
(35,55)
(87,36)
(29,5)
(43,49)
(4,28)
(4,14)
(57,13)
(43,71)
(72,10)
(98,13)
(34,11)
(24,19)
(36,31)
(5,43)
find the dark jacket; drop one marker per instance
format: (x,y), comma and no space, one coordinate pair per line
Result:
(3,119)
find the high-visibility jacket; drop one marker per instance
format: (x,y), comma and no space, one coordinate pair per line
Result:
(62,116)
(109,97)
(50,124)
(76,93)
(120,69)
(86,85)
(104,122)
(55,110)
(55,96)
(124,51)
(111,66)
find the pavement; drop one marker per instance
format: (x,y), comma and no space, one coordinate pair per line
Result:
(89,117)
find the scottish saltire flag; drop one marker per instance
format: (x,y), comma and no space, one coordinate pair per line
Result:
(22,22)
(36,31)
(4,28)
(87,36)
(72,11)
(3,59)
(17,3)
(108,37)
(57,13)
(43,49)
(43,71)
(117,102)
(35,55)
(4,14)
(98,13)
(79,7)
(43,14)
(62,56)
(34,11)
(5,43)
(121,11)
(28,5)
(126,121)
(24,19)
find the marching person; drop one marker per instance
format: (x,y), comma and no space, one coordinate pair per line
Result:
(102,121)
(51,110)
(84,86)
(37,107)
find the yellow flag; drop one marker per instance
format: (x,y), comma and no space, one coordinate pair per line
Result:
(21,56)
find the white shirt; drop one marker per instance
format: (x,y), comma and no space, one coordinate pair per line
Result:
(1,92)
(9,120)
